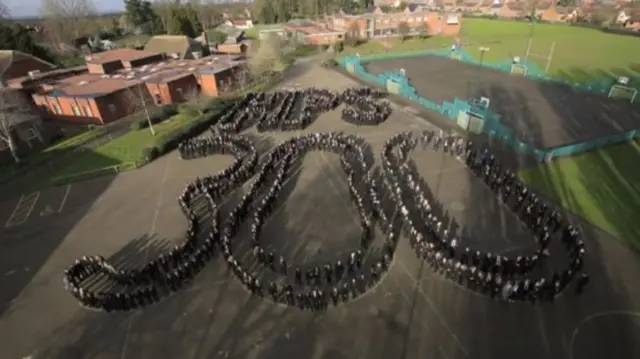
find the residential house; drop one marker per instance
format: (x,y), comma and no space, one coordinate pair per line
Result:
(313,34)
(634,22)
(378,24)
(389,3)
(29,131)
(14,64)
(512,10)
(272,30)
(175,46)
(232,48)
(622,18)
(555,14)
(486,7)
(242,24)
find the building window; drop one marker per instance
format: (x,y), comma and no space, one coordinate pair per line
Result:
(112,109)
(57,109)
(76,110)
(87,111)
(30,134)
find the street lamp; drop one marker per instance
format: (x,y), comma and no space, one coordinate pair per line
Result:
(482,51)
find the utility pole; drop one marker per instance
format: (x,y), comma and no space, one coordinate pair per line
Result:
(146,111)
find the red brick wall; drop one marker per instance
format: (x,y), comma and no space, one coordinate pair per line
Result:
(181,89)
(22,67)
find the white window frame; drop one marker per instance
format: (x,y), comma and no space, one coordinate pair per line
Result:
(87,111)
(76,110)
(57,109)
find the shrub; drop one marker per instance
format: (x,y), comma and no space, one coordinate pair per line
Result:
(332,63)
(188,110)
(149,154)
(165,113)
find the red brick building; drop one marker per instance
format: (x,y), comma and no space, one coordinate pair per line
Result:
(120,82)
(14,64)
(376,23)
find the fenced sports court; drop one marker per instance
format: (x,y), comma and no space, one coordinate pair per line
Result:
(536,116)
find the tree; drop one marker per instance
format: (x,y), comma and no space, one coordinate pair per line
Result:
(66,20)
(141,15)
(13,112)
(17,37)
(184,21)
(403,30)
(423,30)
(217,37)
(266,58)
(4,11)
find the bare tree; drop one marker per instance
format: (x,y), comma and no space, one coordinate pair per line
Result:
(67,20)
(403,30)
(4,11)
(266,59)
(163,9)
(13,112)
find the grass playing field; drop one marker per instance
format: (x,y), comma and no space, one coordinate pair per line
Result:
(580,54)
(603,187)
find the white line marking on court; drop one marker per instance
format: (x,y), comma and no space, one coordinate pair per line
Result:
(15,209)
(435,311)
(64,199)
(160,195)
(574,335)
(159,201)
(18,216)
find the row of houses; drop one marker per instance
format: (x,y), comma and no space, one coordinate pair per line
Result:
(374,23)
(626,13)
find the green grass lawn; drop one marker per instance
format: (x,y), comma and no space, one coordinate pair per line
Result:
(580,55)
(603,187)
(126,150)
(9,171)
(132,40)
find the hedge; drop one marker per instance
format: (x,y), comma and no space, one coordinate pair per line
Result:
(165,113)
(199,125)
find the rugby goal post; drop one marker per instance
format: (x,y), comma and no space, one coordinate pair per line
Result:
(622,92)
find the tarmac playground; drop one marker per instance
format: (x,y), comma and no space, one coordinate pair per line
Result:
(541,114)
(411,313)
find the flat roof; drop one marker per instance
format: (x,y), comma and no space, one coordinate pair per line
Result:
(124,55)
(90,85)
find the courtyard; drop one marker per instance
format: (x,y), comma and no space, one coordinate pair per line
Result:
(413,312)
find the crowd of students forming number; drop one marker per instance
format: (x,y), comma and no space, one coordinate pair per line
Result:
(317,287)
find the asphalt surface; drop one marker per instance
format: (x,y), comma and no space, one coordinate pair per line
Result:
(411,313)
(542,114)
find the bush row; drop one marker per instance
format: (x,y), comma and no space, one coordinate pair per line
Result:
(164,113)
(199,125)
